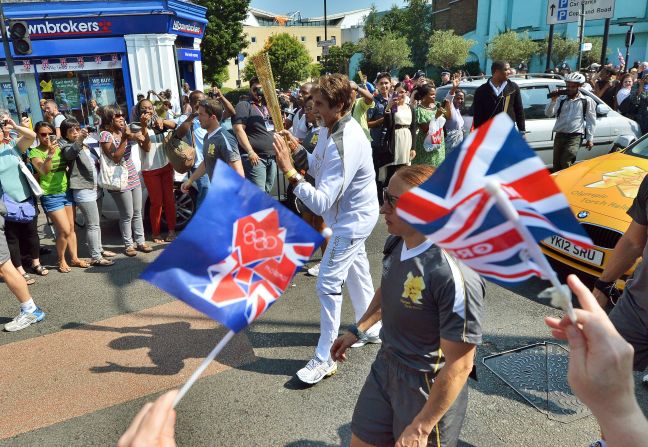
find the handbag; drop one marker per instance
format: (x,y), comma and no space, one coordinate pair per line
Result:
(20,212)
(112,176)
(434,138)
(180,154)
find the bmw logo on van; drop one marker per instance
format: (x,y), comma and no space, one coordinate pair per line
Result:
(583,214)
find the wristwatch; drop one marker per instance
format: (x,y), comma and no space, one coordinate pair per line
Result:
(356,331)
(295,177)
(608,288)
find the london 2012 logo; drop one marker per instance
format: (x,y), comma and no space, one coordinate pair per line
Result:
(69,28)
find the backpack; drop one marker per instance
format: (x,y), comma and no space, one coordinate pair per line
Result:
(585,106)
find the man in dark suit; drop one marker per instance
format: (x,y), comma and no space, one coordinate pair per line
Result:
(497,95)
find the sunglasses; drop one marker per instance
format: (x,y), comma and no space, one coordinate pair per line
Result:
(388,198)
(119,115)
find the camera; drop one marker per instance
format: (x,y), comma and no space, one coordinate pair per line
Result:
(557,93)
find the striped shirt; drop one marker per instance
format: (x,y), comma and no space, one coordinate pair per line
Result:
(133,176)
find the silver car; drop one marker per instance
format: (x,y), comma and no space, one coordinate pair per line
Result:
(613,130)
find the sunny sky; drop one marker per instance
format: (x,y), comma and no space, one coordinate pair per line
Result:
(314,8)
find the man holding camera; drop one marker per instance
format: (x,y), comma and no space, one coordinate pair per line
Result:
(575,121)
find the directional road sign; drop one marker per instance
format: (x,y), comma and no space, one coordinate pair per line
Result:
(563,11)
(326,43)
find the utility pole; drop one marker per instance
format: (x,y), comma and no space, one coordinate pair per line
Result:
(325,23)
(10,64)
(581,31)
(606,32)
(549,47)
(629,41)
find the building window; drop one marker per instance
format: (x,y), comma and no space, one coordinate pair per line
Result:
(319,38)
(303,38)
(253,39)
(319,58)
(333,37)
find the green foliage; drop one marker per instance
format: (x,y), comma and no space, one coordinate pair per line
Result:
(563,48)
(224,37)
(513,48)
(315,70)
(594,55)
(387,52)
(338,58)
(448,50)
(234,95)
(289,60)
(221,76)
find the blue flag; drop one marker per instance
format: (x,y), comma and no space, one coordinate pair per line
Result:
(237,255)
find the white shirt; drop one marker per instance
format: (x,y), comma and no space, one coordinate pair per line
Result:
(155,158)
(345,190)
(498,90)
(571,115)
(622,95)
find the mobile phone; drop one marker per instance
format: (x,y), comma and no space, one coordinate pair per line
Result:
(52,138)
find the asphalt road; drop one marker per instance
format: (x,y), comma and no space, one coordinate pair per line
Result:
(111,342)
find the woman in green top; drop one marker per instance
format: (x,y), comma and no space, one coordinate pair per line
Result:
(57,200)
(426,111)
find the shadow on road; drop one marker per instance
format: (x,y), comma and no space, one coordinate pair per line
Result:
(169,345)
(344,432)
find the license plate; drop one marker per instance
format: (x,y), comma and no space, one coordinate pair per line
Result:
(585,254)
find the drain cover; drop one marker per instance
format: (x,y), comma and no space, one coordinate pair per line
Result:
(538,373)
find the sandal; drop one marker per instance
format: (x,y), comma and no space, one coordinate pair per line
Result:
(144,248)
(64,269)
(108,254)
(130,251)
(102,262)
(170,237)
(39,270)
(80,263)
(28,279)
(157,239)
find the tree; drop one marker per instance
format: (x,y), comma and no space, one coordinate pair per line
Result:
(418,30)
(224,38)
(337,60)
(315,70)
(594,55)
(512,48)
(447,50)
(289,60)
(563,49)
(389,52)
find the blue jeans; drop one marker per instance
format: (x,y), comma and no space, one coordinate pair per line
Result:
(202,185)
(263,174)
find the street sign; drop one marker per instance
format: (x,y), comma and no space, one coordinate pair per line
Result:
(587,46)
(564,11)
(326,43)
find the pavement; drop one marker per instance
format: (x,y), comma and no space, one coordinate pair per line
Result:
(111,342)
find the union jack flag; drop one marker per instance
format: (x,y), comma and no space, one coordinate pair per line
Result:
(620,58)
(97,59)
(453,209)
(238,254)
(45,64)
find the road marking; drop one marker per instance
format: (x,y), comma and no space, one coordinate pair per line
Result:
(80,370)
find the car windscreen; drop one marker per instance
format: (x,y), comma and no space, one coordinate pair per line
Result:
(640,148)
(469,96)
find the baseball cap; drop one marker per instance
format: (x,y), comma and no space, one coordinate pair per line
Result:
(419,74)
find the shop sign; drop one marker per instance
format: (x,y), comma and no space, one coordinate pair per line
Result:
(186,54)
(102,90)
(96,27)
(185,28)
(7,93)
(66,93)
(78,64)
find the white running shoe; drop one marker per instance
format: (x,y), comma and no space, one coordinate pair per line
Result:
(316,369)
(314,270)
(645,380)
(366,339)
(25,319)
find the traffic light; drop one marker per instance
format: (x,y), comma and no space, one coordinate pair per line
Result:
(630,38)
(19,34)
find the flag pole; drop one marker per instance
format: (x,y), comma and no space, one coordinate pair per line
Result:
(494,188)
(201,368)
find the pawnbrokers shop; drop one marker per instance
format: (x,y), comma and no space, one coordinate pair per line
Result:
(106,51)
